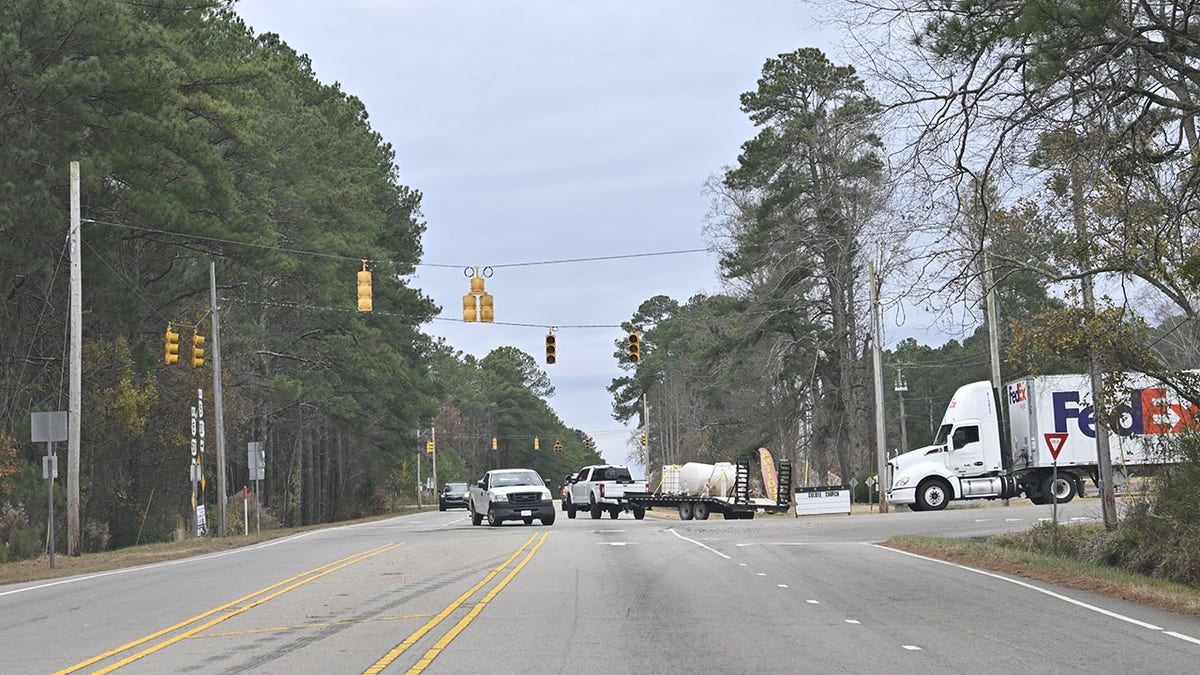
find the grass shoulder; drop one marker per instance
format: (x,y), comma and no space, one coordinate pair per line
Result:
(1056,569)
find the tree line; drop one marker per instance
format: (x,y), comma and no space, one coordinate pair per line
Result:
(201,142)
(1043,146)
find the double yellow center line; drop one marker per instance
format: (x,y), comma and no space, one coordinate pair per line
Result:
(441,644)
(247,602)
(201,622)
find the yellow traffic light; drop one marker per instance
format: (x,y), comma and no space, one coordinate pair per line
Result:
(643,440)
(429,447)
(197,351)
(551,349)
(535,443)
(486,308)
(478,304)
(635,348)
(493,442)
(171,353)
(364,289)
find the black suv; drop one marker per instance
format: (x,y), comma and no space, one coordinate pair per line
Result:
(452,496)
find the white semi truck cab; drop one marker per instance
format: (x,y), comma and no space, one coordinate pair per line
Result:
(974,457)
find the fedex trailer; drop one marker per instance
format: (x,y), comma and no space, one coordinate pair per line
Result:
(1050,424)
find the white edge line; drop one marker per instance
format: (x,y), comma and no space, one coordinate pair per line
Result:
(672,531)
(166,563)
(1181,636)
(1018,582)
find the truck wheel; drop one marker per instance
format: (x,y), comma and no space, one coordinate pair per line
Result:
(700,511)
(570,510)
(475,517)
(548,520)
(1063,490)
(639,512)
(492,519)
(685,510)
(933,494)
(596,509)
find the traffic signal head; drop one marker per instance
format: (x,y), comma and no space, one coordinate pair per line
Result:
(469,313)
(635,348)
(364,289)
(493,442)
(486,312)
(197,351)
(536,445)
(643,440)
(171,353)
(429,447)
(551,349)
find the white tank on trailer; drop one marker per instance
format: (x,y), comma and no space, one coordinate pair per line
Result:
(716,480)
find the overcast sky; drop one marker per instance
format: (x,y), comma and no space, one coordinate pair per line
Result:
(551,130)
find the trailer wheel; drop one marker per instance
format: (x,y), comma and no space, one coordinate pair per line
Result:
(701,511)
(685,510)
(639,512)
(595,509)
(1062,490)
(933,494)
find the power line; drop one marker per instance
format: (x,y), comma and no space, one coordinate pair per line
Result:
(351,310)
(295,251)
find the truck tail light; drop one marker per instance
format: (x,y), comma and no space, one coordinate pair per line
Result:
(602,490)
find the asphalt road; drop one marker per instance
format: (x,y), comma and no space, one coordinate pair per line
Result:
(432,592)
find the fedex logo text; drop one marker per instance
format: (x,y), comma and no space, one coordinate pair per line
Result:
(1148,412)
(1017,393)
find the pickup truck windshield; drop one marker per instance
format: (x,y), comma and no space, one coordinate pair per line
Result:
(521,478)
(614,473)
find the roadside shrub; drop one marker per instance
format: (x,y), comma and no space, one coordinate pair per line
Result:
(23,539)
(1159,530)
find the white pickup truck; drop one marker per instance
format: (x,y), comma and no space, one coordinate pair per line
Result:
(601,488)
(510,494)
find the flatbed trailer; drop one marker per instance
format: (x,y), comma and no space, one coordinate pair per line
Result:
(737,507)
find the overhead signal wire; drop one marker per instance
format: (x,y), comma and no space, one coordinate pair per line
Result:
(336,256)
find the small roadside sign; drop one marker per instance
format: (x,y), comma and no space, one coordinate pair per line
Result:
(1055,442)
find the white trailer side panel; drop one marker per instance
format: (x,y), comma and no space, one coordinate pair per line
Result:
(1148,416)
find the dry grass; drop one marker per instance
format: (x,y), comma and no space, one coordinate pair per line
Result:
(1077,574)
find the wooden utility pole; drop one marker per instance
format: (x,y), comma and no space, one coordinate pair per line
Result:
(880,429)
(218,407)
(1108,496)
(993,323)
(75,406)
